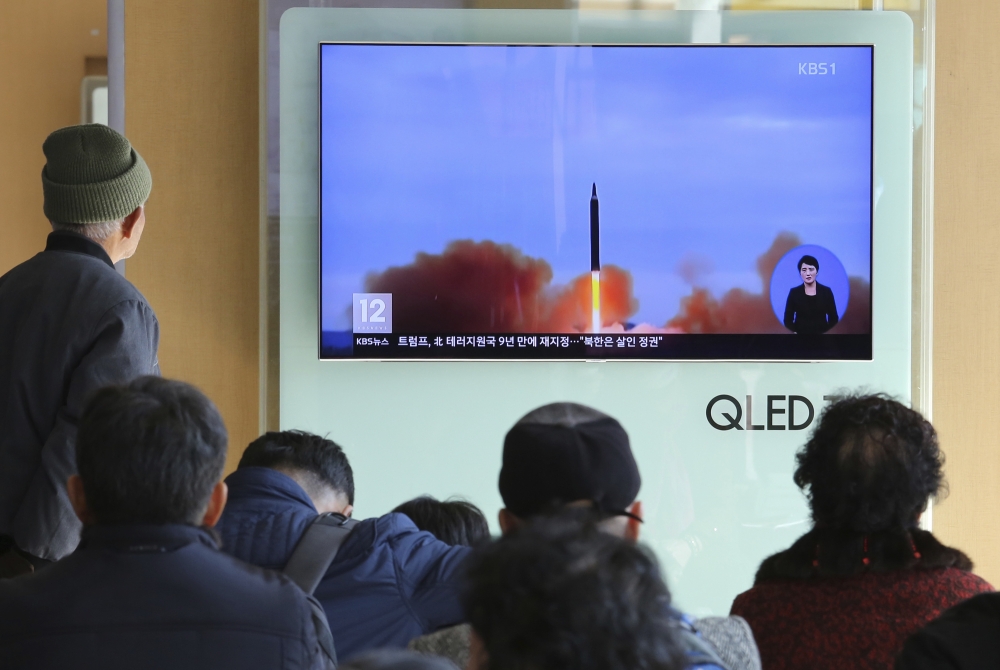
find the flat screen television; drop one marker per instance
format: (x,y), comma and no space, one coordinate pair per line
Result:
(573,202)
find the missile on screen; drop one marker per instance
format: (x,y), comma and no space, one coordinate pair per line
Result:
(595,261)
(595,232)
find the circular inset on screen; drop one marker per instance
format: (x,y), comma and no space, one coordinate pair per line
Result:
(803,313)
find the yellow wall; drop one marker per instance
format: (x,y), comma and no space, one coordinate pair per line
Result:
(191,110)
(966,256)
(191,72)
(44,46)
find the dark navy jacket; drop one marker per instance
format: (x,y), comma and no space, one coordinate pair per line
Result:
(69,324)
(389,583)
(154,597)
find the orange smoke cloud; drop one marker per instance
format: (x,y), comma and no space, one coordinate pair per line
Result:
(738,311)
(484,287)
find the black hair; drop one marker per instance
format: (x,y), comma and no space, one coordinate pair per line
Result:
(299,450)
(150,452)
(454,522)
(808,260)
(870,465)
(556,594)
(397,659)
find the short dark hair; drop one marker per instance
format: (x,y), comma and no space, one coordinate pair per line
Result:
(870,465)
(150,451)
(808,260)
(454,522)
(557,594)
(299,450)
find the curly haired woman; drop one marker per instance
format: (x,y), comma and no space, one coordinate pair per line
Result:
(849,592)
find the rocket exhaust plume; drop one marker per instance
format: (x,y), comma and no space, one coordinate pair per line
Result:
(595,259)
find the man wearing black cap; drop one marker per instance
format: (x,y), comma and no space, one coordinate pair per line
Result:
(69,324)
(565,454)
(558,456)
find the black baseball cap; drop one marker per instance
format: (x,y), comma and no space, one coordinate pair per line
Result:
(564,453)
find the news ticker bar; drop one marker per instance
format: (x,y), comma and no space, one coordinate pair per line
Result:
(604,346)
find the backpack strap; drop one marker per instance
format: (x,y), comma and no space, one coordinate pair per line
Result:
(323,635)
(317,548)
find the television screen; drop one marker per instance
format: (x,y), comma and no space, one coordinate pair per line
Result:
(595,202)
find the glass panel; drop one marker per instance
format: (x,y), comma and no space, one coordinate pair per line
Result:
(920,11)
(717,501)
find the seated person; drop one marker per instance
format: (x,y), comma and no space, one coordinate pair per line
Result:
(390,581)
(810,308)
(963,638)
(568,455)
(147,587)
(454,522)
(849,592)
(556,595)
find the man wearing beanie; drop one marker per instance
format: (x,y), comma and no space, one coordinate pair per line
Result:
(69,324)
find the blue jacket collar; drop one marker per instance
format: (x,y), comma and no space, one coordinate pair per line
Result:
(264,484)
(146,538)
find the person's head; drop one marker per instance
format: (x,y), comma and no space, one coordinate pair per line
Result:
(454,522)
(808,269)
(149,452)
(397,659)
(870,465)
(556,594)
(316,464)
(96,185)
(565,454)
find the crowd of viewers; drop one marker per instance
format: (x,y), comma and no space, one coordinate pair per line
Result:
(177,569)
(121,546)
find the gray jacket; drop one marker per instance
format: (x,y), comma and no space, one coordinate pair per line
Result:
(69,324)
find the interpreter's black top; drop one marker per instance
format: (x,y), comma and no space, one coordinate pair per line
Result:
(810,314)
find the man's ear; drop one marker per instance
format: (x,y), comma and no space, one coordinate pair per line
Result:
(216,503)
(77,498)
(129,222)
(508,521)
(633,526)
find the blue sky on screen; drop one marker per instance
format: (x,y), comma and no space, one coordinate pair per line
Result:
(701,155)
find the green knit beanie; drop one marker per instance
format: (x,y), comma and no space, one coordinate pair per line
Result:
(92,175)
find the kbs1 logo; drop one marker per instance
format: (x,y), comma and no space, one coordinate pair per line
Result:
(818,69)
(780,412)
